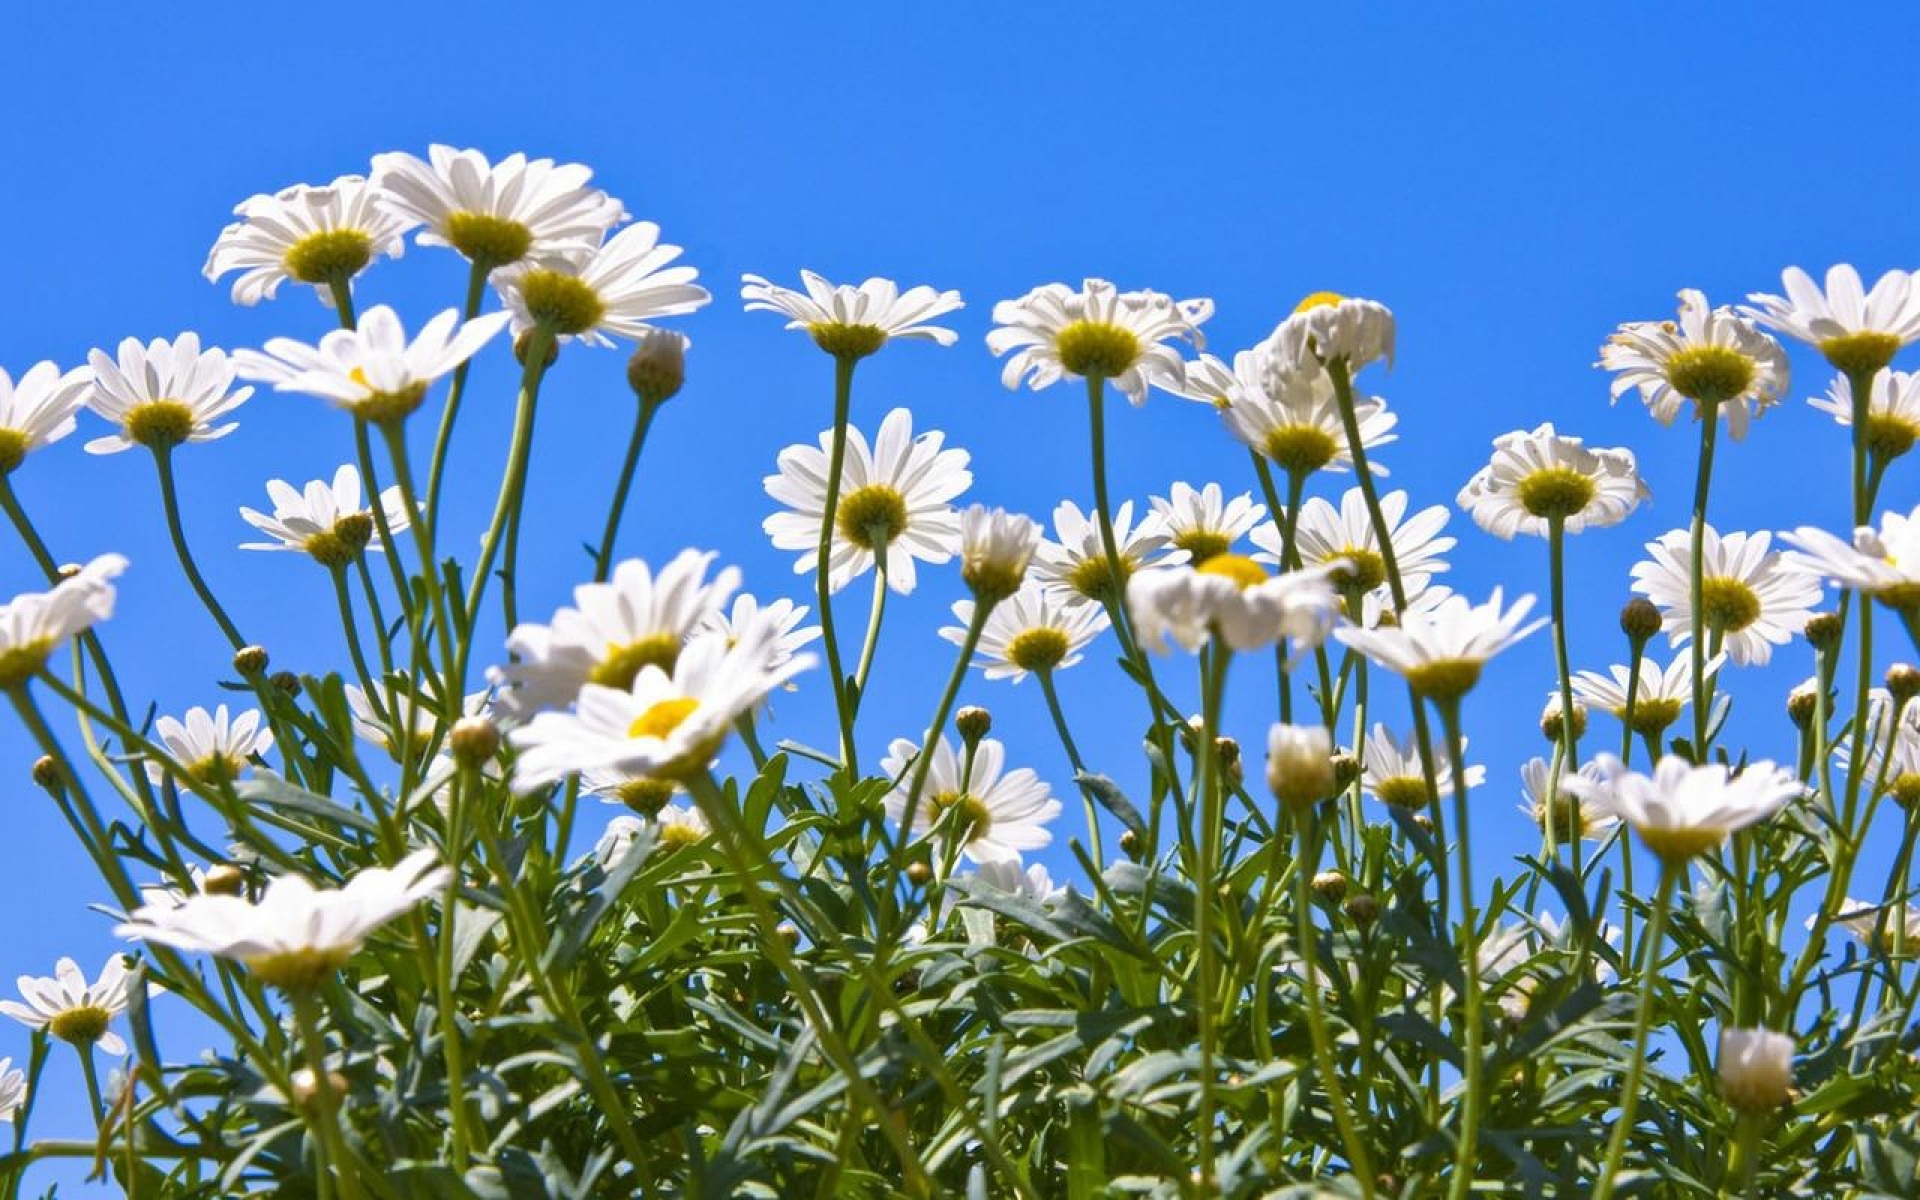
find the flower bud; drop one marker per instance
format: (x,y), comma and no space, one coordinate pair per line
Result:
(1226,751)
(1639,620)
(1300,764)
(789,933)
(658,366)
(474,741)
(250,661)
(1130,844)
(223,879)
(286,681)
(68,570)
(1362,909)
(919,874)
(520,349)
(1424,821)
(1903,682)
(46,773)
(974,723)
(1550,719)
(1346,769)
(1823,631)
(1756,1069)
(1330,886)
(306,1087)
(1802,702)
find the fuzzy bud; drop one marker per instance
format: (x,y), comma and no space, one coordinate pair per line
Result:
(1424,821)
(286,681)
(46,773)
(68,570)
(1639,620)
(1300,764)
(250,661)
(223,879)
(1227,751)
(1802,703)
(525,339)
(1823,631)
(474,741)
(1346,770)
(1130,844)
(658,367)
(1330,886)
(1362,909)
(1903,682)
(306,1088)
(1756,1069)
(1550,719)
(974,723)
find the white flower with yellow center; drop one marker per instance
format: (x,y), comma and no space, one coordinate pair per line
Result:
(748,615)
(1391,773)
(70,1008)
(665,726)
(212,747)
(1539,477)
(1076,565)
(1660,696)
(996,547)
(1713,357)
(996,814)
(296,935)
(13,1090)
(1440,651)
(331,522)
(677,825)
(162,393)
(1874,924)
(1292,419)
(853,322)
(38,409)
(1756,1069)
(896,501)
(1858,331)
(1573,815)
(615,289)
(372,370)
(1895,751)
(374,725)
(1327,327)
(496,214)
(1233,597)
(1033,882)
(1032,630)
(1203,522)
(34,624)
(1681,811)
(1054,332)
(1345,539)
(1893,411)
(1884,563)
(321,236)
(1751,600)
(636,619)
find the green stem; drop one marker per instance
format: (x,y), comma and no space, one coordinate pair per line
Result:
(513,482)
(91,1071)
(1059,715)
(1642,1023)
(923,762)
(872,640)
(394,434)
(1697,645)
(823,587)
(642,422)
(1743,1156)
(170,501)
(1209,800)
(1466,1158)
(443,441)
(351,627)
(1569,735)
(463,780)
(334,1156)
(1359,1162)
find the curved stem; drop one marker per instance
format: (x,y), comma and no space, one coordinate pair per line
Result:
(351,628)
(642,422)
(872,640)
(170,502)
(1211,816)
(513,482)
(1643,1019)
(1052,694)
(1307,834)
(1569,735)
(923,761)
(443,441)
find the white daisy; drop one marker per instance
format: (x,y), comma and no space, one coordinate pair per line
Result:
(329,521)
(895,498)
(496,214)
(1710,356)
(1440,650)
(1857,330)
(622,835)
(1000,813)
(1203,523)
(70,1008)
(1572,814)
(38,410)
(1233,597)
(1345,538)
(1884,563)
(162,393)
(1756,1069)
(1390,770)
(1327,327)
(1076,565)
(1292,419)
(748,614)
(1056,332)
(996,547)
(34,624)
(1662,693)
(211,747)
(1538,476)
(1897,748)
(664,726)
(1750,598)
(853,322)
(13,1090)
(678,825)
(637,618)
(1681,810)
(313,235)
(1032,630)
(166,895)
(295,935)
(1893,410)
(371,725)
(372,370)
(1865,920)
(614,290)
(1033,882)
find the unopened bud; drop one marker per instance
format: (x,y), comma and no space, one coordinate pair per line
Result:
(521,343)
(306,1087)
(1550,720)
(1330,886)
(1756,1069)
(1424,821)
(1130,843)
(1346,769)
(250,661)
(1903,682)
(1803,702)
(1190,732)
(1823,631)
(474,741)
(286,681)
(973,722)
(919,874)
(1363,909)
(68,570)
(658,366)
(1639,620)
(789,933)
(46,773)
(223,879)
(1300,764)
(1227,751)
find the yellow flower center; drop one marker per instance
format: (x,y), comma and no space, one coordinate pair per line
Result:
(1676,846)
(1710,374)
(1319,300)
(340,545)
(1403,791)
(1243,571)
(1097,349)
(1568,817)
(971,817)
(215,769)
(13,450)
(1728,604)
(1861,354)
(1300,449)
(675,834)
(1889,437)
(80,1026)
(847,341)
(662,718)
(1365,569)
(1905,789)
(1203,544)
(298,970)
(330,254)
(1091,578)
(872,516)
(645,796)
(561,302)
(1444,679)
(1651,717)
(1041,648)
(1555,492)
(622,663)
(492,240)
(21,663)
(160,424)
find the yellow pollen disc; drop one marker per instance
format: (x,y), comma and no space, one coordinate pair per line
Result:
(663,718)
(1728,604)
(1319,300)
(620,665)
(81,1026)
(1243,571)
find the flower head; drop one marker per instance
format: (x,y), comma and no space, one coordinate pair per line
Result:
(1893,411)
(614,290)
(1872,923)
(1031,630)
(1756,1069)
(1203,522)
(496,214)
(1098,332)
(1076,566)
(1540,477)
(1033,882)
(295,935)
(372,370)
(1290,418)
(1892,757)
(748,617)
(13,1090)
(1327,327)
(1681,811)
(1858,331)
(319,236)
(995,813)
(1233,597)
(1300,764)
(1346,540)
(996,547)
(1713,357)
(1658,697)
(211,747)
(1572,815)
(852,322)
(329,521)
(38,409)
(34,624)
(895,502)
(1440,650)
(1884,563)
(1391,771)
(70,1008)
(162,393)
(1748,596)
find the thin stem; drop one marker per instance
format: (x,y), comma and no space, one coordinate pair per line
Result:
(1307,835)
(923,762)
(351,628)
(1207,798)
(463,781)
(1642,1022)
(513,482)
(326,1125)
(170,502)
(1697,645)
(91,1071)
(823,588)
(394,434)
(1052,694)
(1467,1154)
(1569,733)
(443,441)
(872,639)
(642,422)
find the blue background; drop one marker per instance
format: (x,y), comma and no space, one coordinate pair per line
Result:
(1513,181)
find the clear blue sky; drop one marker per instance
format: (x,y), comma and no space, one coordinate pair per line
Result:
(1513,183)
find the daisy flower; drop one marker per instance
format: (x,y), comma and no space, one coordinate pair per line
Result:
(677,825)
(1390,770)
(1033,882)
(1000,813)
(1233,597)
(295,935)
(1327,327)
(852,322)
(1573,815)
(38,410)
(1756,1069)
(1293,418)
(1858,331)
(1098,332)
(614,290)
(1893,411)
(996,547)
(895,500)
(322,236)
(495,214)
(70,1008)
(34,624)
(622,836)
(329,521)
(1345,539)
(1712,357)
(1681,810)
(748,615)
(666,726)
(1884,563)
(1203,523)
(1662,693)
(1902,765)
(1076,565)
(1864,920)
(1440,651)
(637,618)
(1749,597)
(13,1090)
(162,393)
(1539,477)
(1032,630)
(372,370)
(211,747)
(372,725)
